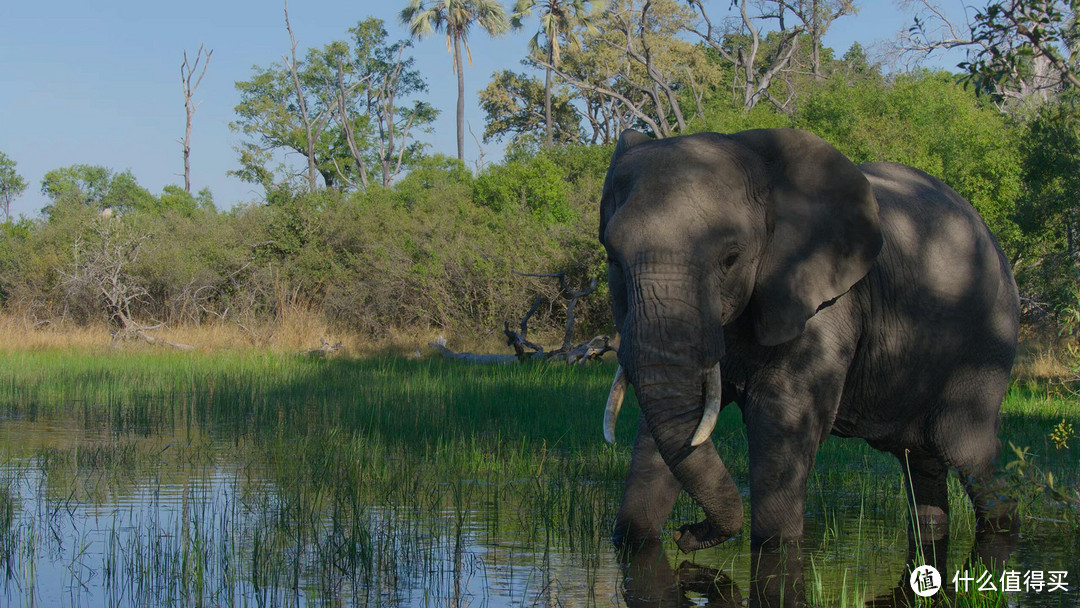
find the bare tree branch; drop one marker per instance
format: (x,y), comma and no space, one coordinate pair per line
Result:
(312,127)
(187,72)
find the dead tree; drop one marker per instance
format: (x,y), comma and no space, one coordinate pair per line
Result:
(525,350)
(313,125)
(751,75)
(102,268)
(187,72)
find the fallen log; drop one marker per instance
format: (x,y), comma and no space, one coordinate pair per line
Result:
(158,341)
(325,349)
(524,350)
(440,347)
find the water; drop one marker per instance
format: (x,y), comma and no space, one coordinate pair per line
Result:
(169,508)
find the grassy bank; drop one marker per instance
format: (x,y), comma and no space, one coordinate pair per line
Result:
(297,475)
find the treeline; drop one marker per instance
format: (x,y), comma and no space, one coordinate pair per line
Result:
(436,250)
(375,234)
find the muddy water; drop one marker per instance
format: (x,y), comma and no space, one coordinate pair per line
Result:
(92,517)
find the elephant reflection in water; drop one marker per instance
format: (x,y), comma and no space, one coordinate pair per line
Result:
(766,269)
(650,581)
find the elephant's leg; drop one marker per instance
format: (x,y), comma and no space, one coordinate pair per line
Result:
(927,490)
(966,435)
(650,493)
(787,417)
(995,508)
(926,486)
(997,525)
(781,456)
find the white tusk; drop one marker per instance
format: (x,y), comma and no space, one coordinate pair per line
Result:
(712,407)
(614,404)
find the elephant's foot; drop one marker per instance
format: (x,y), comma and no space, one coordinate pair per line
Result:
(702,535)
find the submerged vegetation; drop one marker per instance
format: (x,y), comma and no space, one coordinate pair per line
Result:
(267,478)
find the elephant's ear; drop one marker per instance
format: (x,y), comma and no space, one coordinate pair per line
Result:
(628,139)
(824,233)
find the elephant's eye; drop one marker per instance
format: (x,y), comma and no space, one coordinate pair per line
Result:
(729,260)
(612,261)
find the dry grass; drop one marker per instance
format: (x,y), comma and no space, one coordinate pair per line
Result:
(298,329)
(1044,356)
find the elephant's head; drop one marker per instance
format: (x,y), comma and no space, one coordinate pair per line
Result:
(761,228)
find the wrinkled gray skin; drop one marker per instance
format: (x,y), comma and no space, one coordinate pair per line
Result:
(865,301)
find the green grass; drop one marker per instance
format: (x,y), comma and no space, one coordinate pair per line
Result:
(269,477)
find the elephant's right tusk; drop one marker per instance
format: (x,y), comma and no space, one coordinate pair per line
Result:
(713,391)
(614,404)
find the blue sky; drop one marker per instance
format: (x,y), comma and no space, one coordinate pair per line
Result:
(99,82)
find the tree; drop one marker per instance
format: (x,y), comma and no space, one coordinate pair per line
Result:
(1022,52)
(741,44)
(360,110)
(559,19)
(1048,213)
(518,105)
(757,57)
(96,187)
(816,17)
(12,185)
(456,17)
(313,122)
(637,67)
(386,77)
(1012,34)
(187,72)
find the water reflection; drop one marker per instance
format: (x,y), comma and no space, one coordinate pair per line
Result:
(649,580)
(990,553)
(776,579)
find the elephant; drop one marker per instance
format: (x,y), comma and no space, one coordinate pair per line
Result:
(764,268)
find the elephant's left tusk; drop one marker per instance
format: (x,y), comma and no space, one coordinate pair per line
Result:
(614,404)
(713,391)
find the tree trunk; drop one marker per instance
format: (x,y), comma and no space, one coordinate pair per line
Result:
(187,156)
(460,97)
(547,95)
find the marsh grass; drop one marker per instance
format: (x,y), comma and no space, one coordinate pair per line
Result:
(276,479)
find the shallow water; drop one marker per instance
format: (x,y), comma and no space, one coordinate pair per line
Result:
(181,509)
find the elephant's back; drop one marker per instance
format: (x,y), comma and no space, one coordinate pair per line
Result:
(936,245)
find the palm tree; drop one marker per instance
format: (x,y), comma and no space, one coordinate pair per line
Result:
(558,19)
(456,17)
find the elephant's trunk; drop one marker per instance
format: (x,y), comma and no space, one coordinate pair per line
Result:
(669,350)
(672,402)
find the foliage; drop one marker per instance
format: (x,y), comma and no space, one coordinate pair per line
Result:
(513,105)
(1062,434)
(1049,269)
(531,186)
(357,97)
(12,185)
(1012,36)
(95,187)
(1025,476)
(436,249)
